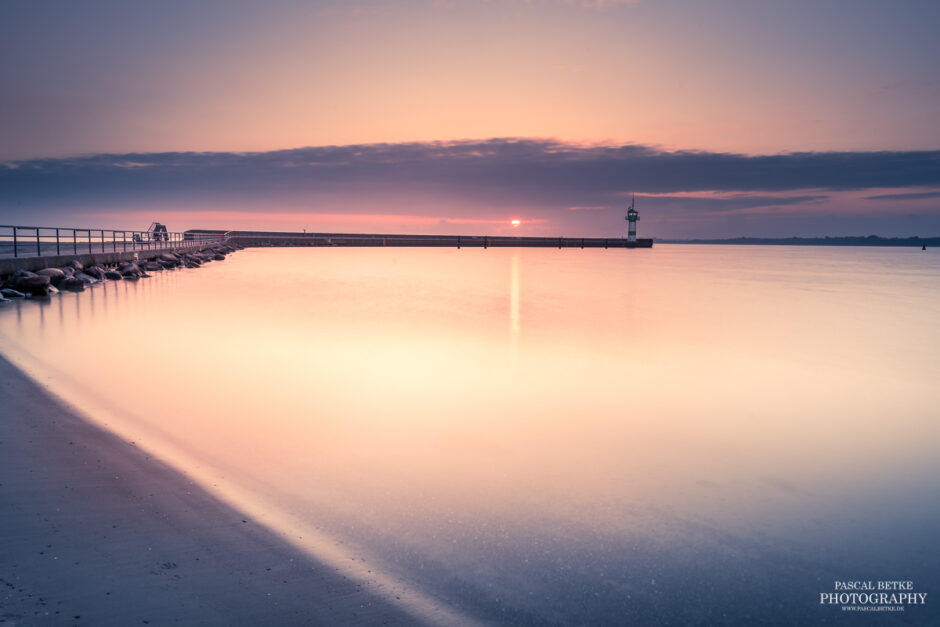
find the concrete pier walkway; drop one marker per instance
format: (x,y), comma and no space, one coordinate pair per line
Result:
(270,238)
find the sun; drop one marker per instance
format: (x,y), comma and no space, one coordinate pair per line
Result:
(516,222)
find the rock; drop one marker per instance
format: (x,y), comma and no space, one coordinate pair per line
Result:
(75,263)
(55,274)
(152,266)
(169,257)
(11,293)
(35,285)
(72,284)
(114,275)
(51,272)
(68,270)
(87,279)
(96,272)
(219,257)
(129,269)
(21,274)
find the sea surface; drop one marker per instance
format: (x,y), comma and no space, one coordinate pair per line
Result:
(683,435)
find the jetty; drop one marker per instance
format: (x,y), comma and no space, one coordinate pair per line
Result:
(271,238)
(37,247)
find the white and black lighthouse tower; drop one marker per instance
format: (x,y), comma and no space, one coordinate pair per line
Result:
(632,217)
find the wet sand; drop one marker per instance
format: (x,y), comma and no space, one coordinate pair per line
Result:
(95,531)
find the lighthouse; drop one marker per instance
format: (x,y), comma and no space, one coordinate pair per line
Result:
(632,217)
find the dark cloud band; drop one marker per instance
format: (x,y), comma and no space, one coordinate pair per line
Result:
(533,172)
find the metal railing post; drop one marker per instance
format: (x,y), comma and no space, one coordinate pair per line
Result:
(38,247)
(57,251)
(15,252)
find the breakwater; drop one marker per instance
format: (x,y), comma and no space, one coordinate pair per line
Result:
(112,255)
(75,273)
(274,238)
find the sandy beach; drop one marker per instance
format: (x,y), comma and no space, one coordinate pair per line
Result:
(95,531)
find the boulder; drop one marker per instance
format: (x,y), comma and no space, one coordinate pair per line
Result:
(128,269)
(152,266)
(114,275)
(71,284)
(219,257)
(96,272)
(11,293)
(68,270)
(75,263)
(87,279)
(169,257)
(35,285)
(21,274)
(55,274)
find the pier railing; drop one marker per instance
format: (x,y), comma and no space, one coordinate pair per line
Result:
(41,241)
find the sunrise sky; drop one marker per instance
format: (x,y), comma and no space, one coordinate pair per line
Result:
(724,118)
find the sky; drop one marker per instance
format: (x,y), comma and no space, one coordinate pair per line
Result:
(432,116)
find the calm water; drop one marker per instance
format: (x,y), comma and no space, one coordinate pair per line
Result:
(704,435)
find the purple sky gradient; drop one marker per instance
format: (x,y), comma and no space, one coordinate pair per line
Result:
(725,118)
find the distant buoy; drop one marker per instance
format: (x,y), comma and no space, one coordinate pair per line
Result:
(924,247)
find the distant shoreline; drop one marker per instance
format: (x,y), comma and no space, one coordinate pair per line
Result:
(870,240)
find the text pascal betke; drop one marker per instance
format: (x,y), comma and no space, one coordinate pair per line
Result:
(872,585)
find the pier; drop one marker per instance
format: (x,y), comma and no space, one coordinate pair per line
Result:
(272,238)
(34,247)
(38,247)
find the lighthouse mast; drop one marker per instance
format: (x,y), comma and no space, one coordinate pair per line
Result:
(632,217)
